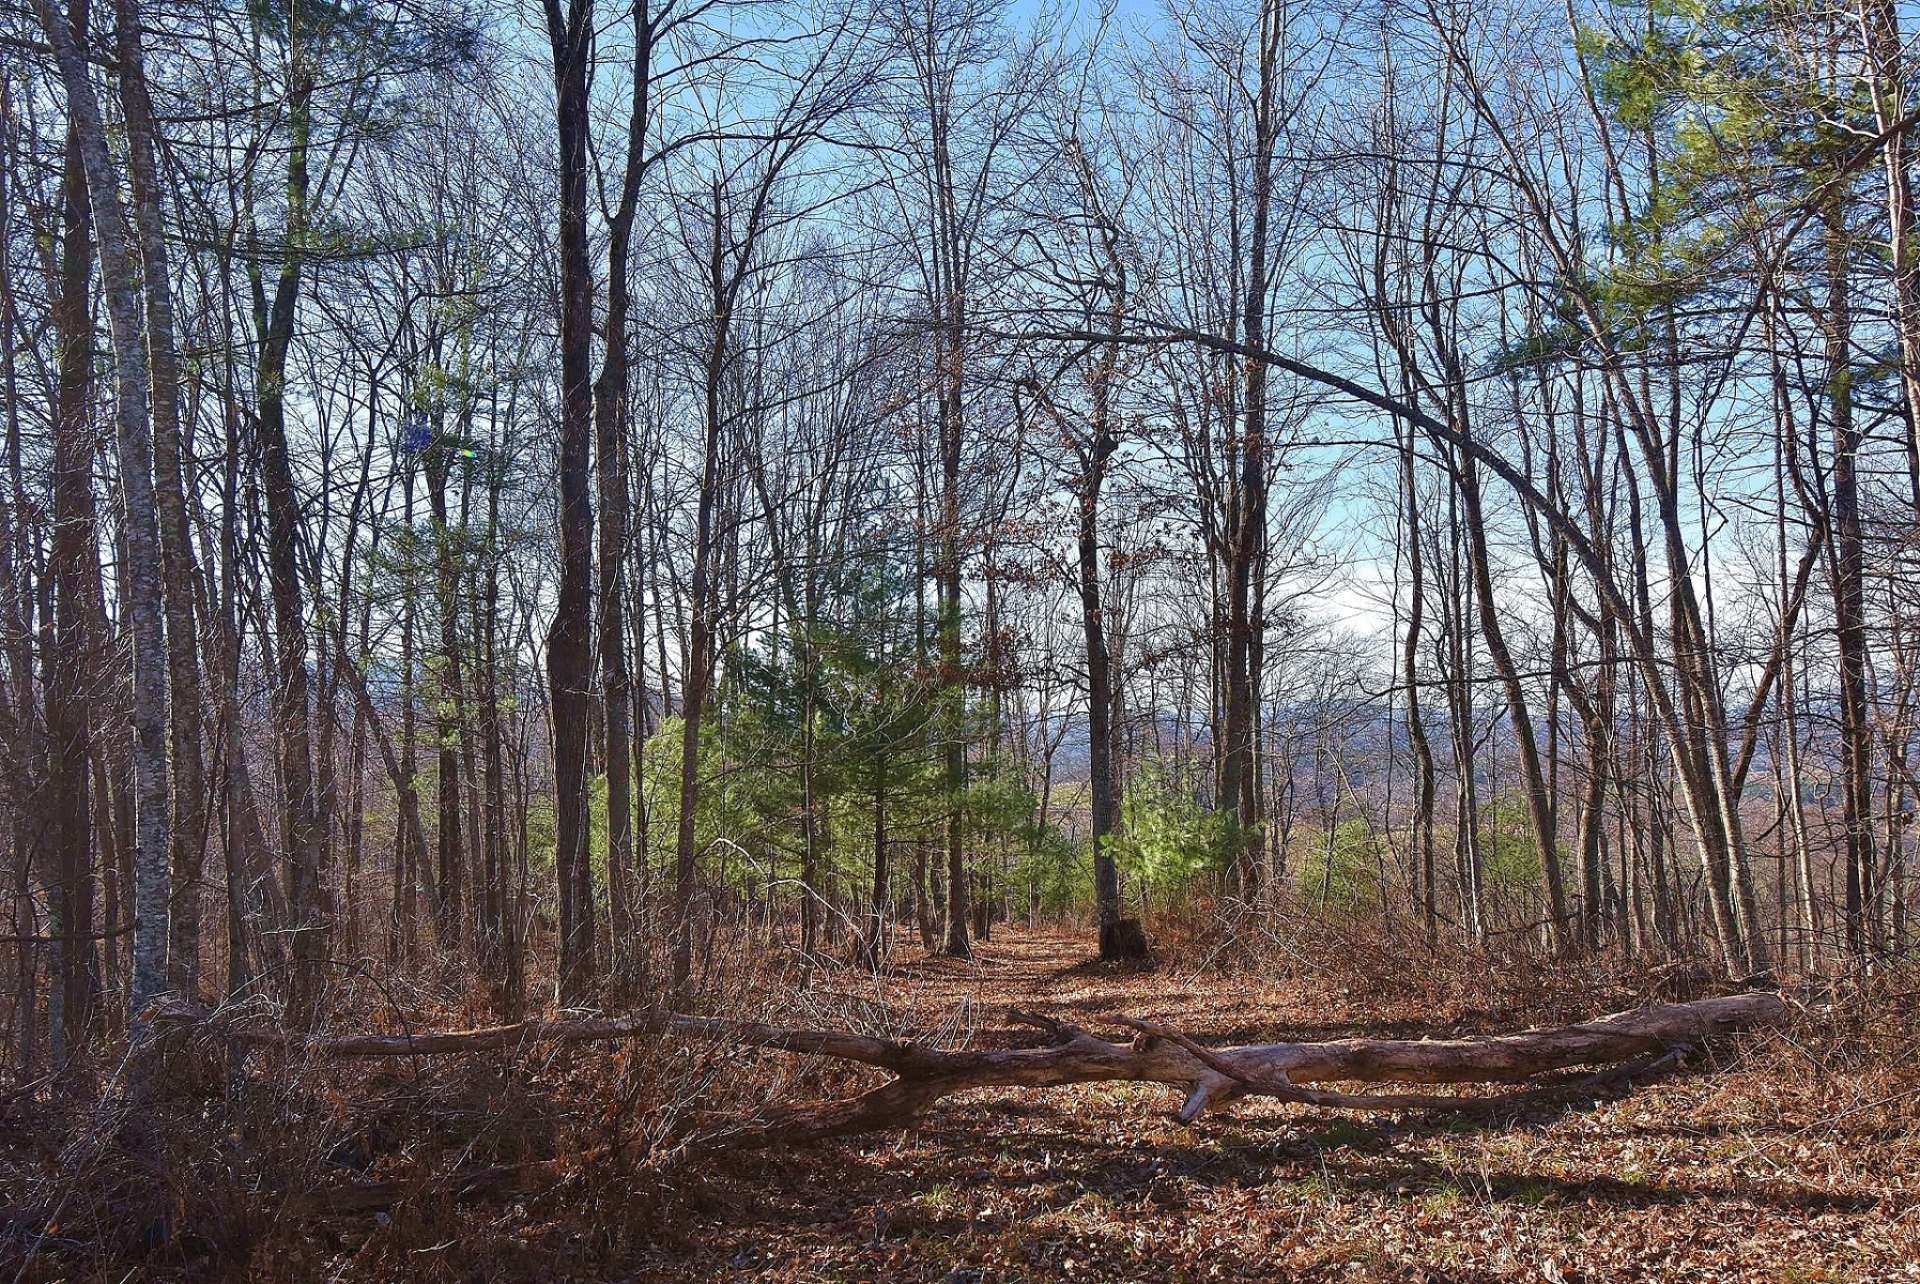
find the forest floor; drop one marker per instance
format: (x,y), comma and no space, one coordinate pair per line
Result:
(1792,1155)
(1777,1164)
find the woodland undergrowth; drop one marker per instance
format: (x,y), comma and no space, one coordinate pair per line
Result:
(195,1160)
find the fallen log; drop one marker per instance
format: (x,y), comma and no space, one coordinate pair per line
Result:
(1627,1041)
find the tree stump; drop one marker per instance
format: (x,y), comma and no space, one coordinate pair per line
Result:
(1123,941)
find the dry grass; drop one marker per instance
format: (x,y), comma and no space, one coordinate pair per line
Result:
(1796,1158)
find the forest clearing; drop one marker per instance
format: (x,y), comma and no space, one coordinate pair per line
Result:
(1793,1154)
(1774,1165)
(963,641)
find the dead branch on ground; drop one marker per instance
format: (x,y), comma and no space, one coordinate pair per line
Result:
(1622,1044)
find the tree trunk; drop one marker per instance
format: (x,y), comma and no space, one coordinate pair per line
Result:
(1210,1076)
(1849,609)
(70,562)
(141,583)
(569,640)
(189,836)
(450,702)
